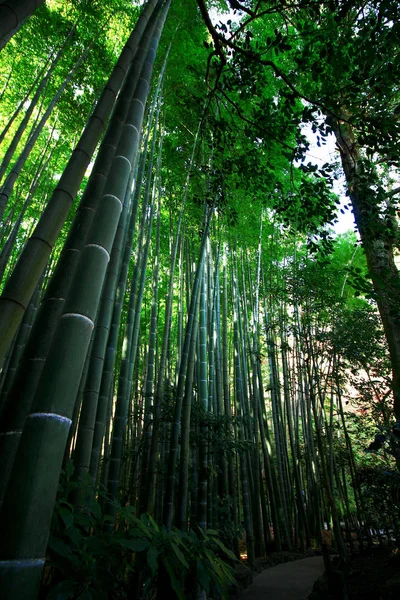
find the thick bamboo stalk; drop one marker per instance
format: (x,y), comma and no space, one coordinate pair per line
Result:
(12,15)
(101,334)
(52,305)
(33,485)
(20,287)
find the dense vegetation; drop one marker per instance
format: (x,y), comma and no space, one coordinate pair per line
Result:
(195,367)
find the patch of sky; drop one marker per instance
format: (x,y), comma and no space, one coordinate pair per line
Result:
(326,152)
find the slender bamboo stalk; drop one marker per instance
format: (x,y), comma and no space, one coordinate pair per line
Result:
(22,103)
(32,105)
(36,130)
(239,384)
(226,388)
(150,484)
(128,361)
(201,516)
(149,385)
(10,242)
(183,489)
(174,441)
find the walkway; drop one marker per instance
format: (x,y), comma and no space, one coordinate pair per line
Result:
(288,581)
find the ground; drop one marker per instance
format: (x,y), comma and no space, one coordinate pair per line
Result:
(372,574)
(287,581)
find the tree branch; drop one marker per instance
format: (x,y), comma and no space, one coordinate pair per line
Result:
(206,18)
(392,193)
(250,122)
(220,42)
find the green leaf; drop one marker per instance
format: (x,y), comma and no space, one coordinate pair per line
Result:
(66,516)
(86,595)
(214,565)
(152,521)
(108,519)
(152,559)
(59,547)
(95,546)
(96,510)
(74,535)
(136,545)
(65,503)
(69,468)
(144,527)
(179,555)
(203,576)
(177,585)
(224,549)
(63,590)
(227,570)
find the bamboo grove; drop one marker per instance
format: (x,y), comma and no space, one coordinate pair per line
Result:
(191,362)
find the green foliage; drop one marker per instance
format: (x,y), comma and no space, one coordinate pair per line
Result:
(381,495)
(102,26)
(250,163)
(85,558)
(88,560)
(388,438)
(190,559)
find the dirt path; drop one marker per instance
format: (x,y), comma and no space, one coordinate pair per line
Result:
(288,581)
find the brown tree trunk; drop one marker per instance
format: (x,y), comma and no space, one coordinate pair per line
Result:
(378,236)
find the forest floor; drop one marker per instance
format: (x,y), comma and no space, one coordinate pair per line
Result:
(372,574)
(288,581)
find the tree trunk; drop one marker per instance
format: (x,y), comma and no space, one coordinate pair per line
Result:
(378,235)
